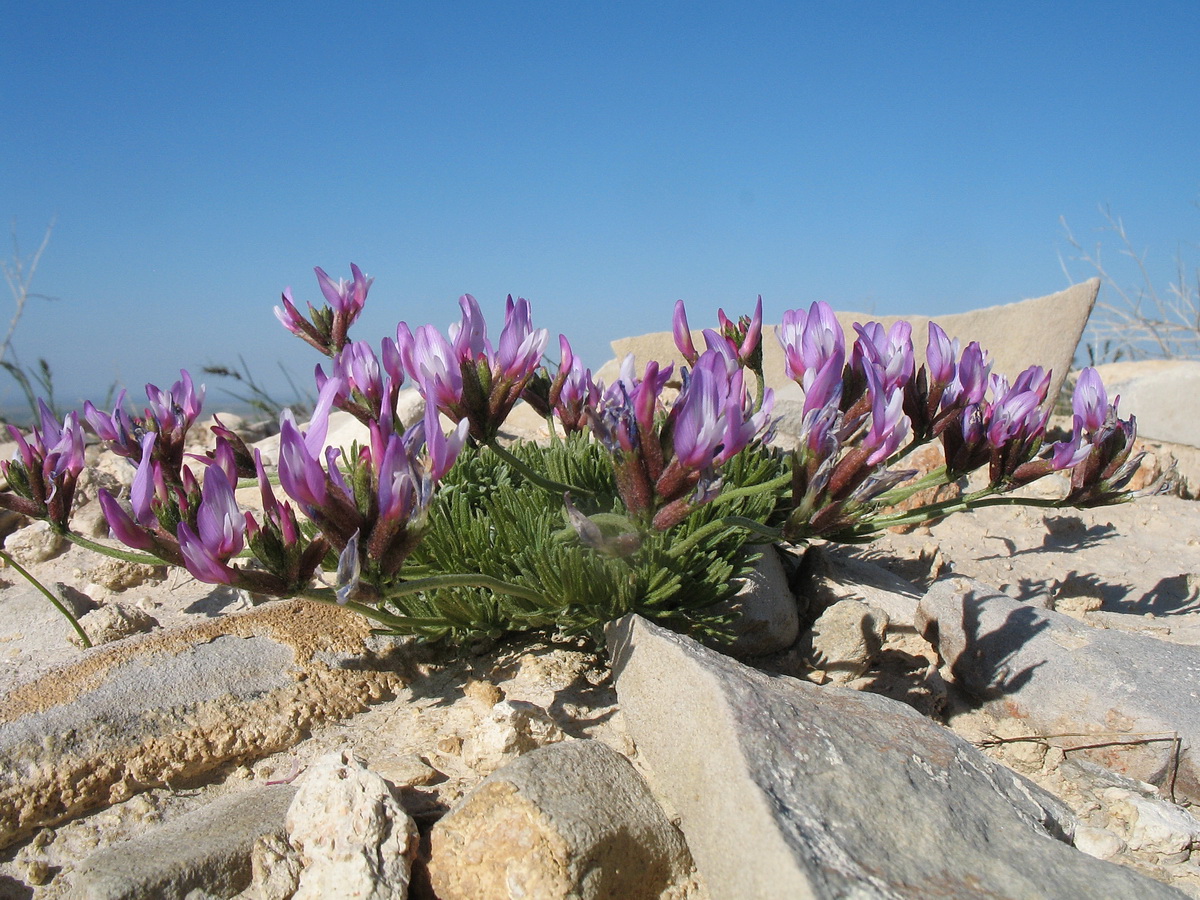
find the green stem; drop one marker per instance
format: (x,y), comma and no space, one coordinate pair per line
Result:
(715,527)
(49,596)
(978,500)
(935,478)
(432,582)
(549,484)
(126,555)
(750,490)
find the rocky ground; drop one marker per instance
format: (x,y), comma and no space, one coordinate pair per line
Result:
(211,746)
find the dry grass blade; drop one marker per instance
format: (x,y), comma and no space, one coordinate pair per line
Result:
(1140,321)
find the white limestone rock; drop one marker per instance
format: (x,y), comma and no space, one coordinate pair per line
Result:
(767,619)
(114,621)
(34,544)
(353,838)
(511,728)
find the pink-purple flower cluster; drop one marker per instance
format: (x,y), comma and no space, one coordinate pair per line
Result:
(48,461)
(327,328)
(465,377)
(377,505)
(861,415)
(667,460)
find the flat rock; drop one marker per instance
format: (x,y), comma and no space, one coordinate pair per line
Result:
(1128,694)
(208,850)
(1164,394)
(176,703)
(570,820)
(788,789)
(1043,332)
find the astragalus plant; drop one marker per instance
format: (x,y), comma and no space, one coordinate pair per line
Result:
(653,494)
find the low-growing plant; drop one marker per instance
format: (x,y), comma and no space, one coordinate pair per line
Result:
(652,495)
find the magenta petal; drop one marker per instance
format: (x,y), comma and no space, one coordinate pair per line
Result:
(683,334)
(122,526)
(199,560)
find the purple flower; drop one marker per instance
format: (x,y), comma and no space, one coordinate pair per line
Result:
(683,334)
(811,342)
(464,376)
(942,355)
(700,411)
(572,390)
(890,352)
(1035,379)
(469,337)
(889,424)
(443,449)
(346,297)
(174,411)
(201,560)
(142,492)
(327,328)
(300,472)
(122,526)
(369,390)
(521,345)
(738,342)
(434,366)
(219,523)
(293,321)
(1015,418)
(743,337)
(116,429)
(403,487)
(1090,401)
(970,379)
(1070,453)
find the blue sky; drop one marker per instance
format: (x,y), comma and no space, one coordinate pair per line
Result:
(601,159)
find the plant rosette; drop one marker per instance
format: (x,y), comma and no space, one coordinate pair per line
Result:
(653,494)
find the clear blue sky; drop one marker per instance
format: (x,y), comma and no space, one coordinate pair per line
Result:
(601,159)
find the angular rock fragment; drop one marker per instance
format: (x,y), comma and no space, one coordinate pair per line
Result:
(114,621)
(510,729)
(570,820)
(838,575)
(1130,695)
(785,789)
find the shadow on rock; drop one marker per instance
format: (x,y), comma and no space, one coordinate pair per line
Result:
(995,678)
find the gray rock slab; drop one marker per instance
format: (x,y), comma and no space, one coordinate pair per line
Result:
(1164,394)
(1127,694)
(1043,331)
(208,849)
(569,820)
(786,789)
(176,703)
